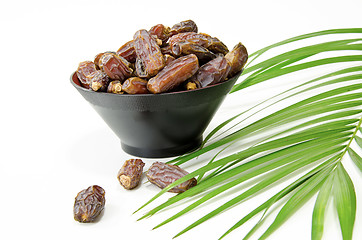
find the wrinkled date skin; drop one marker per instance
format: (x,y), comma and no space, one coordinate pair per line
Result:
(161,32)
(162,175)
(115,87)
(212,72)
(174,74)
(135,85)
(116,67)
(184,26)
(161,60)
(201,39)
(168,59)
(85,69)
(98,81)
(128,52)
(89,203)
(140,70)
(196,38)
(237,58)
(217,46)
(130,174)
(186,47)
(148,52)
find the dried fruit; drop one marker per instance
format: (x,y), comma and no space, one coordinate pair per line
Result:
(237,58)
(85,69)
(127,52)
(130,174)
(162,175)
(201,39)
(216,46)
(135,85)
(148,52)
(115,87)
(184,26)
(174,74)
(168,59)
(116,67)
(160,32)
(140,69)
(89,203)
(98,81)
(212,72)
(96,60)
(192,37)
(186,47)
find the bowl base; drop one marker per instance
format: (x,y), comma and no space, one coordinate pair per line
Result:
(162,153)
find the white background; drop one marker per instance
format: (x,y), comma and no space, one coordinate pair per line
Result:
(53,144)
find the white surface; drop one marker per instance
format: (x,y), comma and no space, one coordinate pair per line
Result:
(53,143)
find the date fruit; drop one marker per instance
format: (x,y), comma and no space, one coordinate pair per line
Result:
(85,69)
(174,74)
(237,58)
(115,87)
(148,52)
(135,85)
(98,81)
(186,47)
(130,174)
(211,73)
(116,67)
(162,175)
(163,59)
(184,26)
(168,59)
(89,203)
(127,52)
(160,32)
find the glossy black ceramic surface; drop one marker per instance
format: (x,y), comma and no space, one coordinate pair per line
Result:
(158,125)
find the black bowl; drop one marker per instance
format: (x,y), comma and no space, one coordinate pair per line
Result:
(158,125)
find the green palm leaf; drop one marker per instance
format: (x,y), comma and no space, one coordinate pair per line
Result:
(313,131)
(345,201)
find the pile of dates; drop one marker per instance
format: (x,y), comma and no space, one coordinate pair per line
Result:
(163,59)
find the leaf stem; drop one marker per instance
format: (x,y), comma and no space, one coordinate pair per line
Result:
(353,136)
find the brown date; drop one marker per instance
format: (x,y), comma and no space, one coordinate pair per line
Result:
(196,38)
(217,46)
(127,52)
(166,50)
(140,70)
(211,73)
(115,87)
(96,60)
(135,85)
(237,58)
(184,26)
(84,69)
(161,32)
(174,74)
(148,52)
(116,67)
(186,47)
(98,81)
(168,59)
(130,174)
(202,39)
(89,203)
(162,175)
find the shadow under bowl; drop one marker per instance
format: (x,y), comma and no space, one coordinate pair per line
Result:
(158,125)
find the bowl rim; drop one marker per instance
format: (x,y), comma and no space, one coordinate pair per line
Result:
(237,75)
